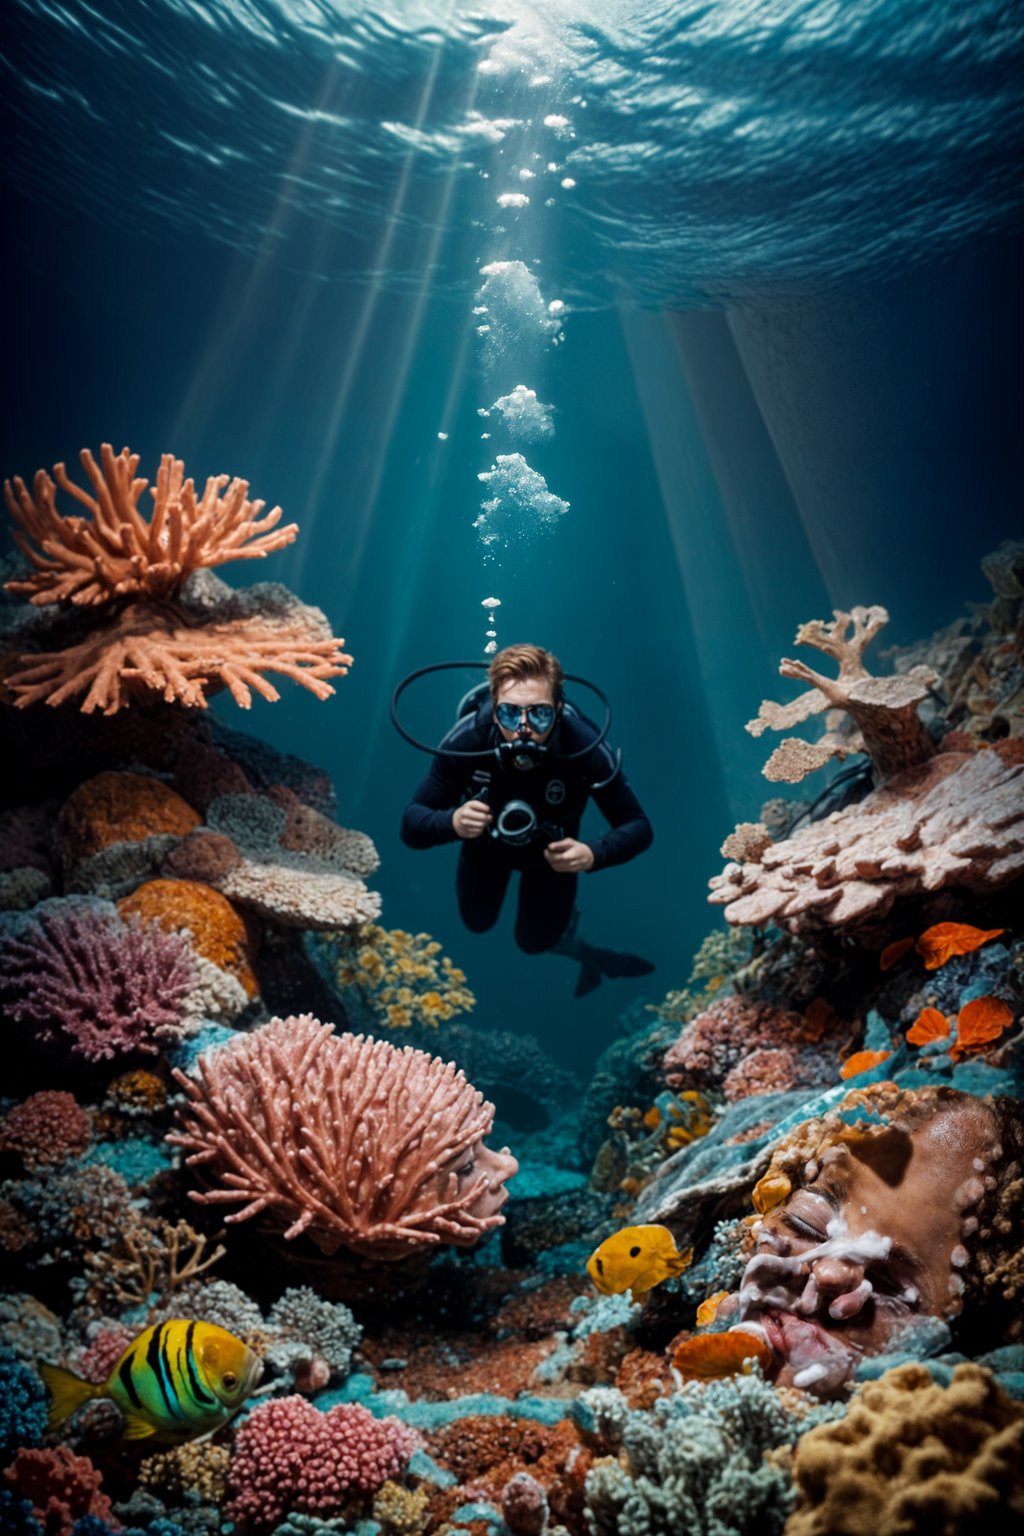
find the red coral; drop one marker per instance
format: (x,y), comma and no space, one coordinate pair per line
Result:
(774,1069)
(103,1353)
(62,1488)
(47,1128)
(289,1457)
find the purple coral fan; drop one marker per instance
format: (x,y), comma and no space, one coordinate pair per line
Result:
(88,981)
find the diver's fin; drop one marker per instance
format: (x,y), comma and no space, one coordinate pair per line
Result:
(596,963)
(614,962)
(67,1393)
(588,979)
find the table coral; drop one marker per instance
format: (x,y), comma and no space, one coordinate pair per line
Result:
(911,1455)
(247,852)
(955,821)
(85,982)
(340,1136)
(48,1127)
(61,1486)
(218,932)
(288,1456)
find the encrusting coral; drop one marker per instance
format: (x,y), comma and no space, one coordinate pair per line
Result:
(347,1138)
(49,1127)
(218,933)
(180,631)
(911,1455)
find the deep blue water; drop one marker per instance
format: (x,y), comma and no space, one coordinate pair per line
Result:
(252,234)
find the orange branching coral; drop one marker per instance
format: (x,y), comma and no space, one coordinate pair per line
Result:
(114,551)
(148,651)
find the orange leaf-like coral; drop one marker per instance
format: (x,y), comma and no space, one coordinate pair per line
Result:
(115,551)
(929,1025)
(980,1022)
(145,652)
(893,952)
(941,942)
(862,1061)
(709,1307)
(719,1354)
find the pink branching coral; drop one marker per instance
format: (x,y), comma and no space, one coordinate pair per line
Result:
(61,1487)
(288,1457)
(94,985)
(350,1139)
(115,552)
(48,1127)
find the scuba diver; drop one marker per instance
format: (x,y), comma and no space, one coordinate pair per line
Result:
(510,782)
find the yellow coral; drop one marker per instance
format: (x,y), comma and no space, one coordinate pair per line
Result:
(199,1468)
(402,977)
(400,1511)
(911,1455)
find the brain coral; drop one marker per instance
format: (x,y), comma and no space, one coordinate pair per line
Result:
(290,1457)
(218,933)
(911,1455)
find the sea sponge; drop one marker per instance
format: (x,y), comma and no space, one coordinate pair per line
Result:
(218,932)
(911,1455)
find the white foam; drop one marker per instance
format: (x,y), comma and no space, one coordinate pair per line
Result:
(527,419)
(520,505)
(512,200)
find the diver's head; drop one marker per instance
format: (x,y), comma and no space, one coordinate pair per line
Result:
(526,686)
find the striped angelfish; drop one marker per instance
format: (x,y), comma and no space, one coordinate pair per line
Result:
(177,1380)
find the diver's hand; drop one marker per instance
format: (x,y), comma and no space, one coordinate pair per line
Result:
(569,857)
(471,819)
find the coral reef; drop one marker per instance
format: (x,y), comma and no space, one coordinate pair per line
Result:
(313,1339)
(196,1471)
(118,807)
(911,1455)
(349,1139)
(49,1127)
(86,982)
(739,1046)
(289,1457)
(282,860)
(22,1405)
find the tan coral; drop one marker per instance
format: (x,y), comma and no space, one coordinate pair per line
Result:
(115,552)
(748,840)
(883,709)
(911,1455)
(218,932)
(957,820)
(199,1470)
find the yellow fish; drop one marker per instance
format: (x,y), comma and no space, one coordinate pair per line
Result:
(636,1260)
(176,1381)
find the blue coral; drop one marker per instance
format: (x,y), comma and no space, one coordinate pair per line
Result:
(23,1405)
(17,1517)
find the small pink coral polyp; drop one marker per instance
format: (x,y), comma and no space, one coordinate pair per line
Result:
(48,1127)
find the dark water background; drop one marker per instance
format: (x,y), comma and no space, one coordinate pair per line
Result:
(251,234)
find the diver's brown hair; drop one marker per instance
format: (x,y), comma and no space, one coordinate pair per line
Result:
(518,663)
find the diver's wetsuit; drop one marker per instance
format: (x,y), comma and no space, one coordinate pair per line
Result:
(557,790)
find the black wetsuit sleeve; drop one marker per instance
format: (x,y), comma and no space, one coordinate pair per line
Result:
(427,819)
(629,831)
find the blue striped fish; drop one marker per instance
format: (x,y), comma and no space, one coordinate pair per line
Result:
(176,1381)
